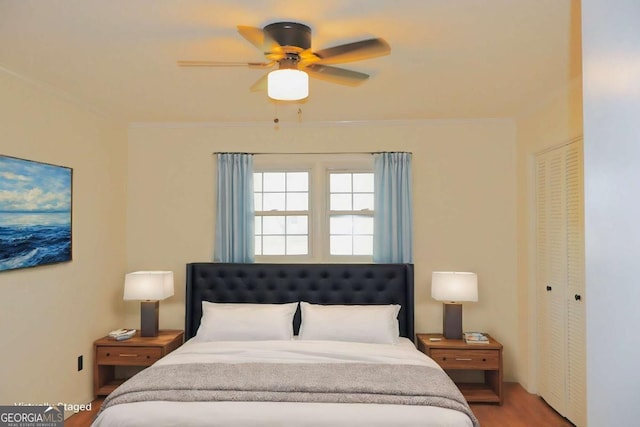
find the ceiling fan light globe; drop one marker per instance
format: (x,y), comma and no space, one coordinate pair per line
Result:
(288,85)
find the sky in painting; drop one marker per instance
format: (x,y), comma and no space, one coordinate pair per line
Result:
(27,186)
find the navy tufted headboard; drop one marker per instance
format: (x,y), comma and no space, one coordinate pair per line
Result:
(313,283)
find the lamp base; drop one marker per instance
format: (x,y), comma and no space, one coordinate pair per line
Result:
(149,311)
(452,321)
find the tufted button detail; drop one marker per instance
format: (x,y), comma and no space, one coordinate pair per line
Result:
(280,283)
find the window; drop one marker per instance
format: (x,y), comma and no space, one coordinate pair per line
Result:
(281,202)
(313,208)
(351,213)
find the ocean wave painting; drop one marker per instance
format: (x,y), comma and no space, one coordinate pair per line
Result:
(35,213)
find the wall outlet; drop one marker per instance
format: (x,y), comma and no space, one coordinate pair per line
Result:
(79,363)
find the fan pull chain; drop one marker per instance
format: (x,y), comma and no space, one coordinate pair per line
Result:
(276,120)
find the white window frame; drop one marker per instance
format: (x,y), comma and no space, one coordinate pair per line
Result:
(319,166)
(328,212)
(309,213)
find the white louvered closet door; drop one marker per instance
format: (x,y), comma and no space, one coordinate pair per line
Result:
(551,281)
(576,319)
(559,279)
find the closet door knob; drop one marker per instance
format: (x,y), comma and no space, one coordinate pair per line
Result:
(577,297)
(548,288)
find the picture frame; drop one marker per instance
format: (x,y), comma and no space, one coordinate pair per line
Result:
(36,201)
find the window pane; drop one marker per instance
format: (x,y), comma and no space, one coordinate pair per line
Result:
(362,201)
(340,224)
(363,183)
(362,224)
(257,225)
(297,224)
(257,181)
(273,245)
(341,245)
(297,201)
(273,181)
(363,245)
(257,201)
(340,182)
(297,245)
(297,181)
(257,245)
(273,225)
(340,202)
(273,202)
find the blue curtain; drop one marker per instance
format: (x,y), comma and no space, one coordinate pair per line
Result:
(234,212)
(393,217)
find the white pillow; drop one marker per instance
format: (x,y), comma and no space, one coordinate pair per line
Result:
(355,323)
(246,322)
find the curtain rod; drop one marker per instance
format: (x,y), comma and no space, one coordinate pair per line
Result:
(330,152)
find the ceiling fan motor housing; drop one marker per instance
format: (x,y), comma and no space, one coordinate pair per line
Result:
(290,34)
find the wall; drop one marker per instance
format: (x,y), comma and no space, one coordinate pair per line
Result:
(552,123)
(464,204)
(52,314)
(611,52)
(554,120)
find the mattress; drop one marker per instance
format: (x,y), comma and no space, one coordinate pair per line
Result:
(231,414)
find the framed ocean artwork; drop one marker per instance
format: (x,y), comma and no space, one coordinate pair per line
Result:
(35,213)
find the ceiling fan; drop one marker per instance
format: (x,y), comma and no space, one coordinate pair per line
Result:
(288,45)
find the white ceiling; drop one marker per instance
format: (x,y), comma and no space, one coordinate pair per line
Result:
(449,58)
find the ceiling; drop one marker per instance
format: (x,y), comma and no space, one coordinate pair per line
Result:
(449,58)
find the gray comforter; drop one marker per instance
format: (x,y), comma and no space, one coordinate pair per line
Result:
(297,382)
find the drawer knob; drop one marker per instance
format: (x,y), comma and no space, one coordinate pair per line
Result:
(108,354)
(444,358)
(484,360)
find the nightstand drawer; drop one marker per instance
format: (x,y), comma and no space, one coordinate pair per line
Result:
(136,356)
(466,359)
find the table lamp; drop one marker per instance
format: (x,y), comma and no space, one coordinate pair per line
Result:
(453,288)
(149,287)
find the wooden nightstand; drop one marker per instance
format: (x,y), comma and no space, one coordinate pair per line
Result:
(136,351)
(458,355)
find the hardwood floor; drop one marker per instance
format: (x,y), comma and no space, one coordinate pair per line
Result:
(520,409)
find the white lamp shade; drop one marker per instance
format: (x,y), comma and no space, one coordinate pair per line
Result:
(454,286)
(288,85)
(148,285)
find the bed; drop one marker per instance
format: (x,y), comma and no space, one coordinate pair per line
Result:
(340,365)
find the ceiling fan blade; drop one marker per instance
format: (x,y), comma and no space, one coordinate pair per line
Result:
(356,51)
(260,39)
(224,64)
(336,75)
(260,84)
